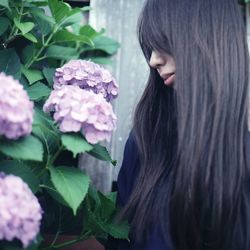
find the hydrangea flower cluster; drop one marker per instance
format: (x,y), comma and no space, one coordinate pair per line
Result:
(77,109)
(87,75)
(16,110)
(20,211)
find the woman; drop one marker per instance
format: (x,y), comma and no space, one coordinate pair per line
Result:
(184,182)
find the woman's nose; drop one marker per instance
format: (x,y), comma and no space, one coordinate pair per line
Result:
(156,60)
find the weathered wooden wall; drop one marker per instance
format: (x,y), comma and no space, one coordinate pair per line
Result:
(119,17)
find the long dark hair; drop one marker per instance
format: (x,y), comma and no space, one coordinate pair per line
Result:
(192,141)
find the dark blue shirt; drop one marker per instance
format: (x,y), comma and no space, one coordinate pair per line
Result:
(126,180)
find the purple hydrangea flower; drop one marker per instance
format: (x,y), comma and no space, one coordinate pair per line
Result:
(87,75)
(16,110)
(20,211)
(77,109)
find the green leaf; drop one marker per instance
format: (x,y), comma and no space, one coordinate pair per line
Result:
(59,9)
(27,148)
(4,24)
(49,74)
(44,22)
(107,208)
(118,231)
(24,81)
(105,44)
(18,168)
(38,91)
(32,75)
(101,60)
(66,36)
(41,118)
(75,143)
(46,131)
(75,28)
(24,27)
(71,183)
(86,8)
(27,53)
(30,37)
(74,16)
(90,32)
(112,196)
(94,200)
(10,63)
(4,3)
(49,139)
(38,3)
(101,220)
(101,153)
(28,4)
(60,52)
(51,190)
(93,224)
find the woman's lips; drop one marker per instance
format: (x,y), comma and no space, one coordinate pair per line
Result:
(169,79)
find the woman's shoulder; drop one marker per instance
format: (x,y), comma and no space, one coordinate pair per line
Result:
(128,171)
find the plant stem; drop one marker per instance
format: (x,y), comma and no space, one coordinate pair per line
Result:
(42,172)
(40,58)
(59,228)
(71,242)
(2,11)
(44,46)
(44,186)
(53,158)
(14,31)
(42,39)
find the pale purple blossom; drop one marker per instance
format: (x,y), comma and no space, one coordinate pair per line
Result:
(77,110)
(20,211)
(87,75)
(16,110)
